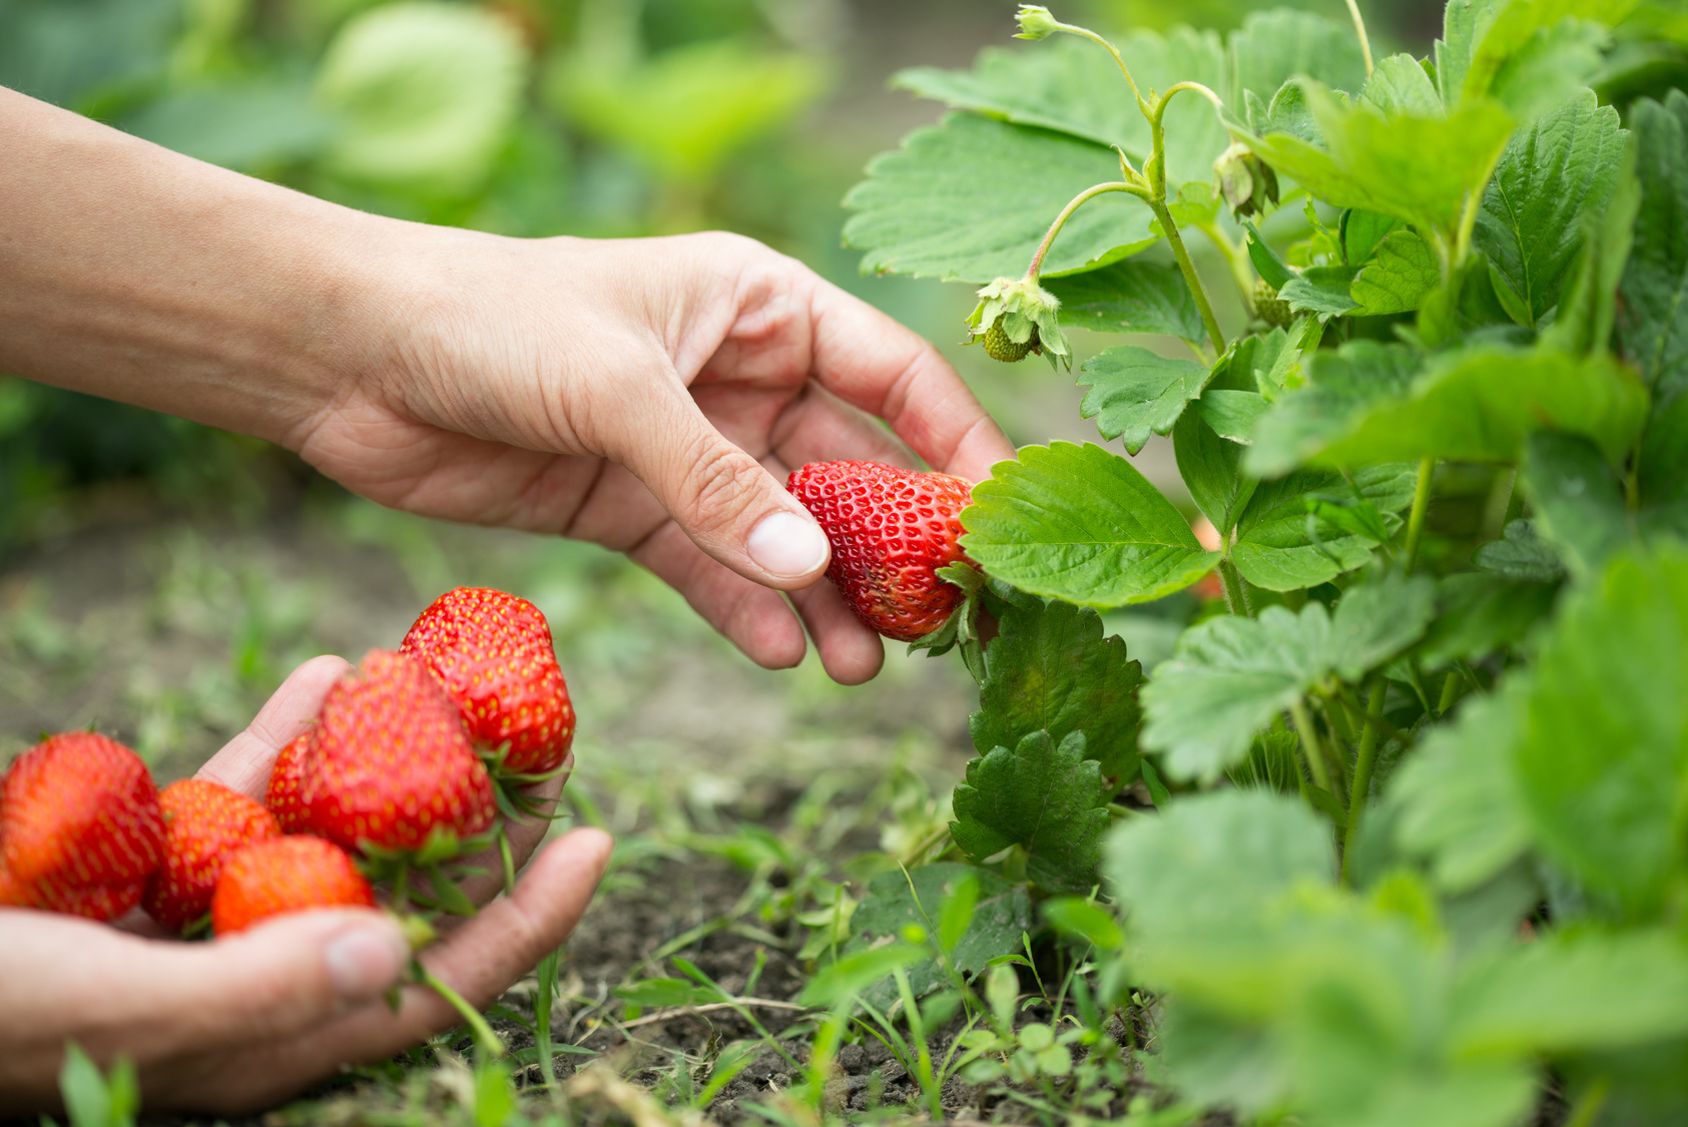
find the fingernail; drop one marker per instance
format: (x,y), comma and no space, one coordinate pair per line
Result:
(785,544)
(364,961)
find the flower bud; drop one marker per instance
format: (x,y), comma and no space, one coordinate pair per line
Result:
(1035,22)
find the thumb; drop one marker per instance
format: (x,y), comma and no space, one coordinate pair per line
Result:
(281,978)
(725,500)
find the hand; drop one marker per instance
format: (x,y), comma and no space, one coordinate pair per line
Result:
(650,395)
(239,1023)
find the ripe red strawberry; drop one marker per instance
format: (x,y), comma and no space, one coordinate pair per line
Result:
(284,795)
(283,875)
(391,763)
(493,653)
(890,530)
(12,892)
(204,824)
(80,828)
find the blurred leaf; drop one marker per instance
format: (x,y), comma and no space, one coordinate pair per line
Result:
(248,126)
(1230,676)
(855,972)
(1133,296)
(1282,545)
(76,53)
(1530,224)
(1043,796)
(1517,50)
(1476,404)
(1074,87)
(425,93)
(1000,915)
(1050,669)
(1134,393)
(1572,992)
(1377,162)
(1521,554)
(687,110)
(1278,44)
(1400,85)
(1478,613)
(1460,806)
(1602,757)
(1340,385)
(969,200)
(95,1100)
(1651,324)
(1080,524)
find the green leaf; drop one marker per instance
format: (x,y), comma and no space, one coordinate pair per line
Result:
(969,199)
(249,125)
(1080,524)
(1573,992)
(95,1100)
(1135,393)
(1378,162)
(1577,498)
(1588,307)
(1278,44)
(1001,914)
(1521,554)
(1653,322)
(1230,676)
(1478,613)
(424,92)
(1133,296)
(1320,290)
(1210,862)
(1602,761)
(1208,464)
(1282,545)
(1400,272)
(1050,669)
(1232,414)
(1530,223)
(1478,404)
(1496,46)
(856,972)
(1399,84)
(1043,796)
(1341,385)
(1074,87)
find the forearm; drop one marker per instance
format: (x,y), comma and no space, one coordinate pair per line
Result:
(131,272)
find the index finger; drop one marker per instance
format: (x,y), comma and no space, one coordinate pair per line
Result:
(245,762)
(876,364)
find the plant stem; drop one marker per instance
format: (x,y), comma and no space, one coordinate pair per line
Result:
(1364,760)
(1421,502)
(484,1036)
(1086,33)
(1191,278)
(1450,693)
(1314,754)
(1360,31)
(1236,590)
(1073,205)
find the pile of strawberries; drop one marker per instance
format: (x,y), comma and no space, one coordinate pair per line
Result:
(409,764)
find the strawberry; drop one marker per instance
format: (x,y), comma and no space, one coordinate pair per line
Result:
(390,763)
(1000,346)
(283,795)
(204,823)
(1269,307)
(493,653)
(282,875)
(80,828)
(890,530)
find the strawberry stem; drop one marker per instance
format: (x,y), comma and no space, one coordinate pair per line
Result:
(508,861)
(489,1041)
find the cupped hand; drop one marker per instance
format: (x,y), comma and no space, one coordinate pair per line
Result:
(650,395)
(241,1022)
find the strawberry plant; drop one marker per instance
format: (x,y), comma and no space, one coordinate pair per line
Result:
(1397,833)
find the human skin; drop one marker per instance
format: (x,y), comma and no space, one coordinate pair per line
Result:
(238,1023)
(646,394)
(649,395)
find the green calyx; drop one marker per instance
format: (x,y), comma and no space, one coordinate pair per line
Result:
(1247,183)
(1036,22)
(1016,316)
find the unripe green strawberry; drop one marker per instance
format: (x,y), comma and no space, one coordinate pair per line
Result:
(284,875)
(390,762)
(80,830)
(204,824)
(1269,307)
(890,530)
(998,346)
(493,653)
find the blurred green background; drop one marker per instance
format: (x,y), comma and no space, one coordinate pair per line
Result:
(158,578)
